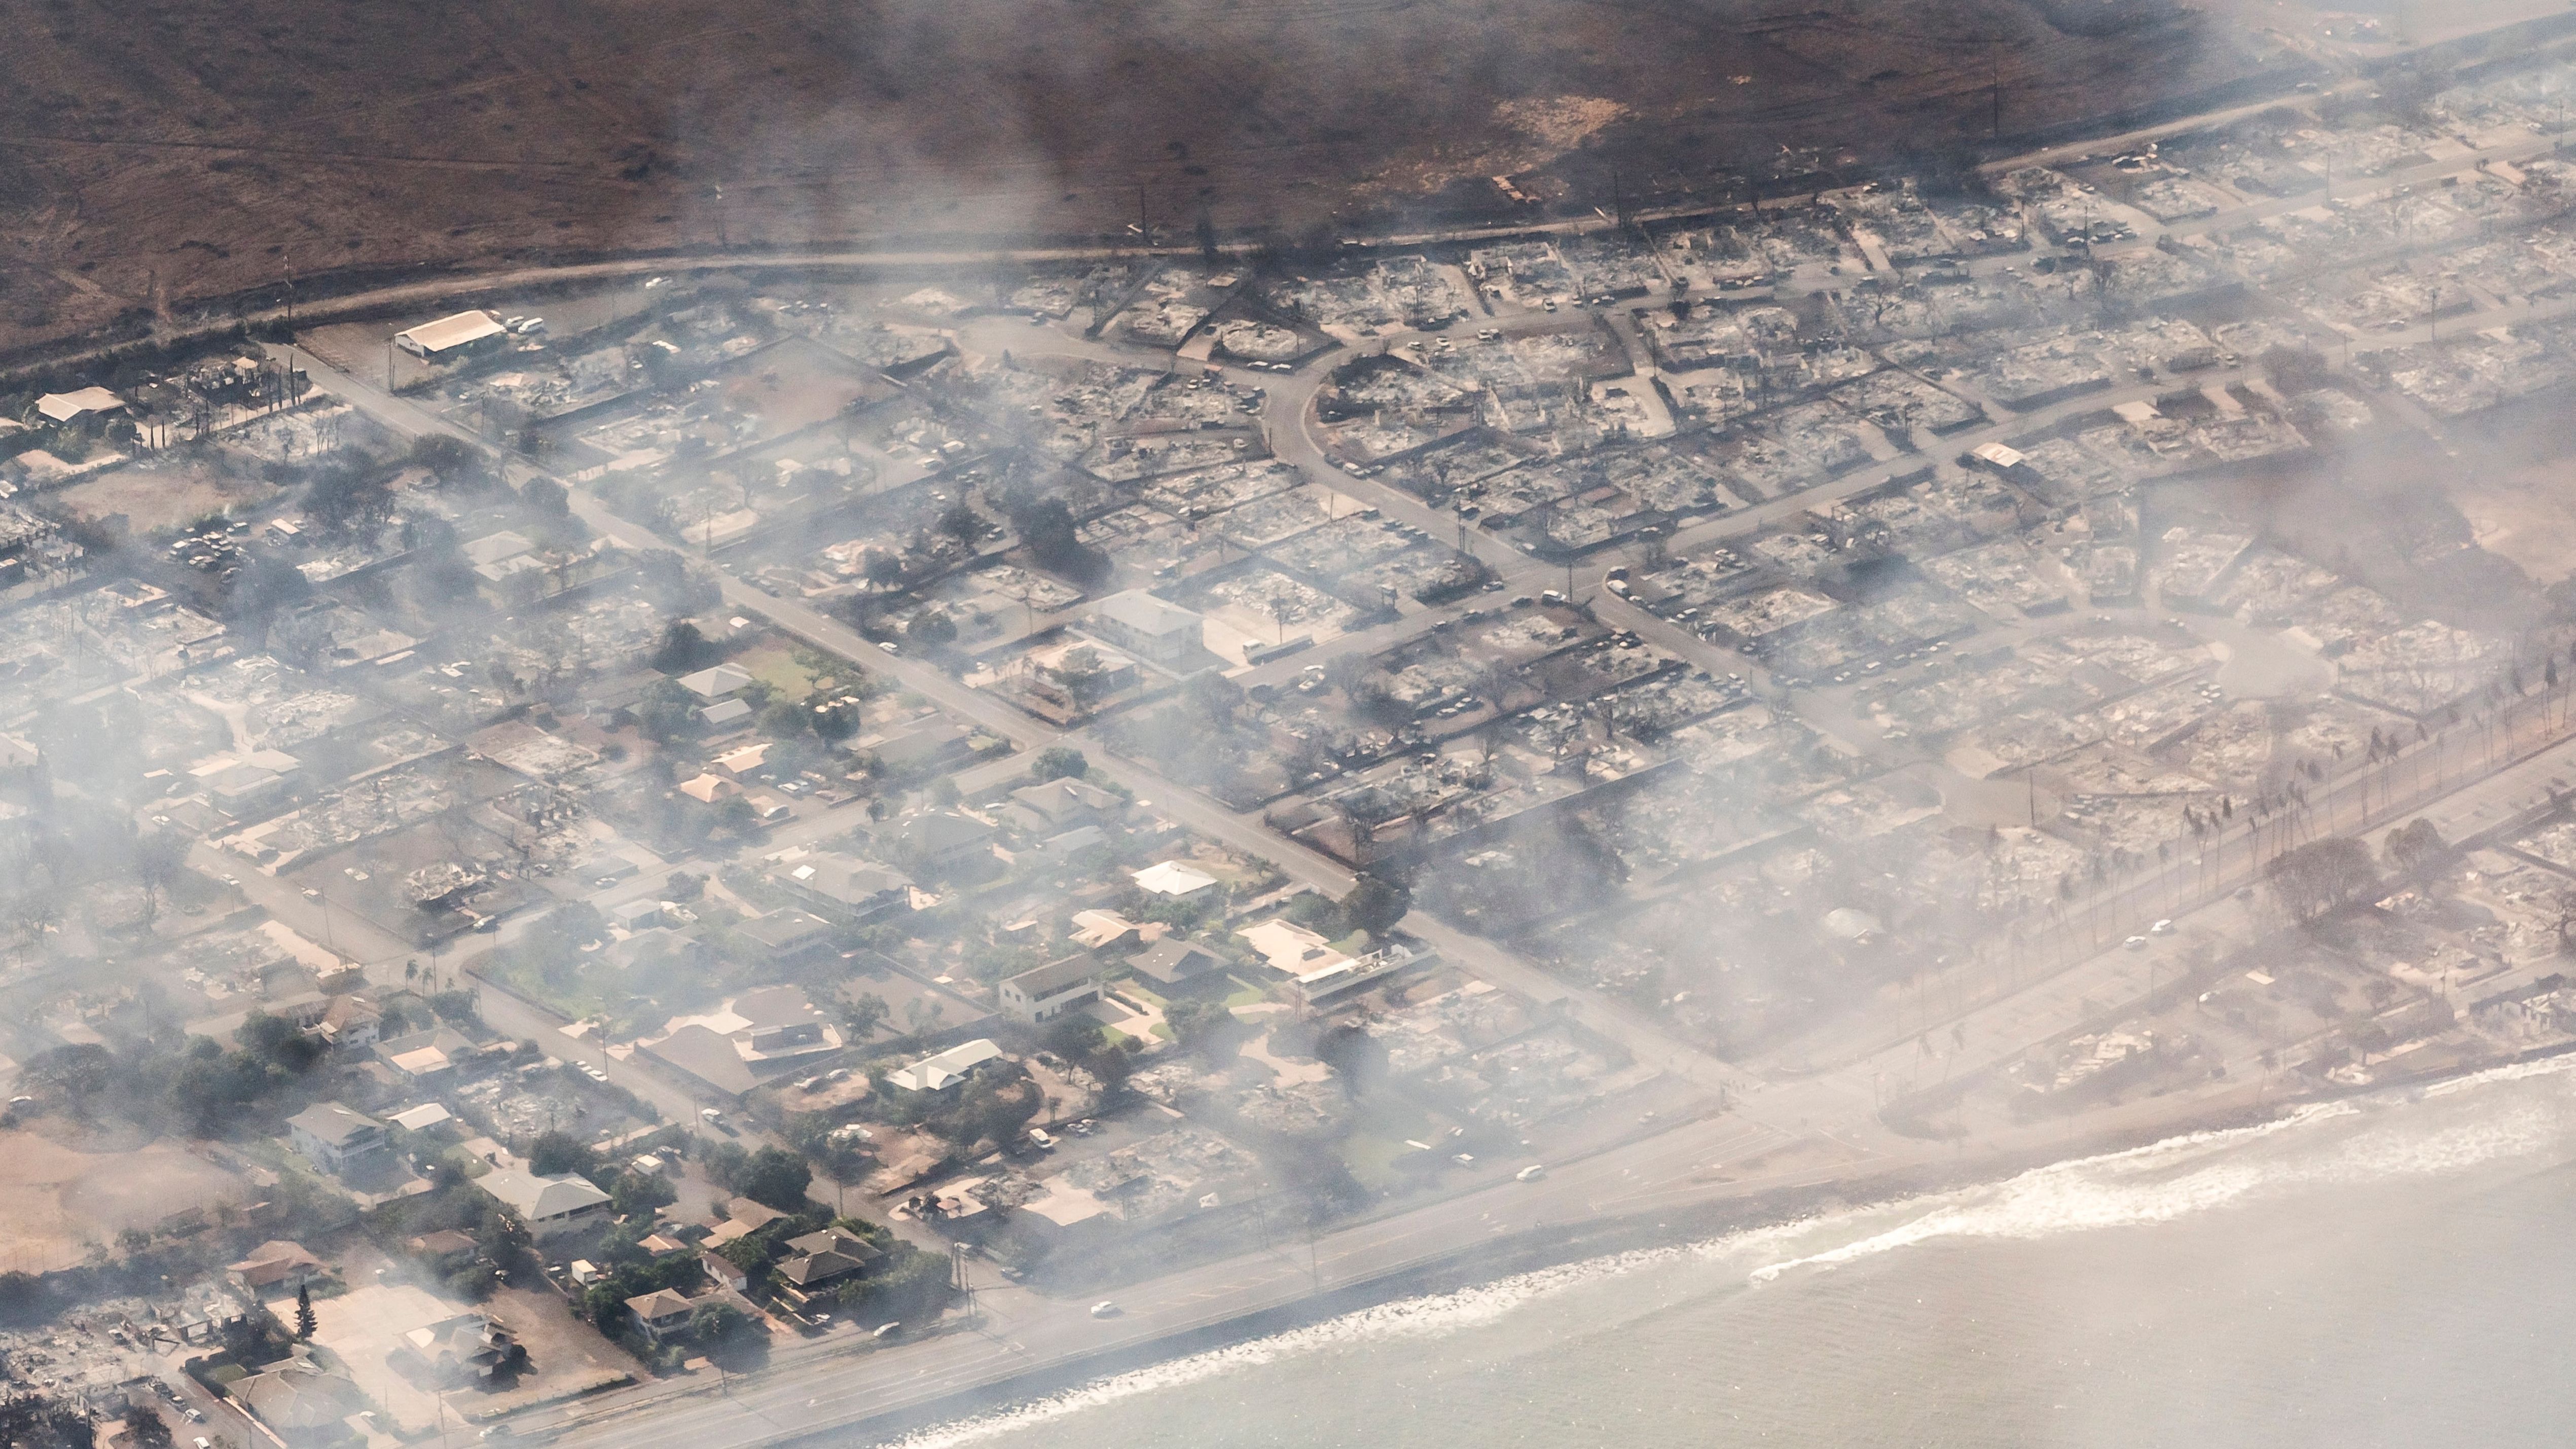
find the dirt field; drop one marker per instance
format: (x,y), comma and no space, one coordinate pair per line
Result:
(160,151)
(55,1203)
(155,497)
(365,1327)
(2522,515)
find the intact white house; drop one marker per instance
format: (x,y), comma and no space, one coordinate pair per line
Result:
(550,1206)
(1049,991)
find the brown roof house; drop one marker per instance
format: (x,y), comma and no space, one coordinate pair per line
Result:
(747,1039)
(304,1404)
(468,1350)
(661,1313)
(824,1260)
(277,1261)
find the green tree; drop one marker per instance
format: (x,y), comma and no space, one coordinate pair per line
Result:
(719,1325)
(278,1041)
(1110,1067)
(861,1016)
(351,496)
(1046,527)
(2321,876)
(682,648)
(2413,847)
(546,498)
(556,1153)
(1195,1023)
(785,719)
(962,523)
(146,1429)
(1059,762)
(666,712)
(836,719)
(457,1008)
(777,1178)
(304,1320)
(76,1073)
(1376,904)
(1081,671)
(449,460)
(639,1193)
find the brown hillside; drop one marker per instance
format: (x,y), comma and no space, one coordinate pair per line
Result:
(153,152)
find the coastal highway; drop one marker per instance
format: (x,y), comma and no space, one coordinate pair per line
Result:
(1040,1337)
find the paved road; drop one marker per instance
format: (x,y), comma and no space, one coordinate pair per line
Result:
(1244,831)
(1699,1161)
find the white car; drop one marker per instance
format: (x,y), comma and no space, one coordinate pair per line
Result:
(2135,943)
(1104,1309)
(1531,1173)
(2161,928)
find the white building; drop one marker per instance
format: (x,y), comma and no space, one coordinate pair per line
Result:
(68,407)
(939,1073)
(1172,878)
(1148,627)
(336,1138)
(1049,991)
(449,335)
(550,1206)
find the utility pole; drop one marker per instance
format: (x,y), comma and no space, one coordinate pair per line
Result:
(1995,92)
(961,1277)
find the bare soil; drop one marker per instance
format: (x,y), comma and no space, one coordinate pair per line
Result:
(154,153)
(160,495)
(2522,514)
(57,1202)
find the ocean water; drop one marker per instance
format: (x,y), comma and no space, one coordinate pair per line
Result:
(2393,1270)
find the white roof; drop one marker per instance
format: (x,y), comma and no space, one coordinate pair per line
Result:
(1171,878)
(498,547)
(932,1074)
(1997,454)
(428,1114)
(540,1199)
(1146,614)
(1289,947)
(452,331)
(717,682)
(62,407)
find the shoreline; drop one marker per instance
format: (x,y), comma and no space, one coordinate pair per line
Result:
(1575,1242)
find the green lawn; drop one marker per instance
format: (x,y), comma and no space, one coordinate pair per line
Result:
(1378,1138)
(523,981)
(776,666)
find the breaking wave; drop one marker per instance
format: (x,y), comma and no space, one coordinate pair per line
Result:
(2175,1178)
(2198,1172)
(1435,1314)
